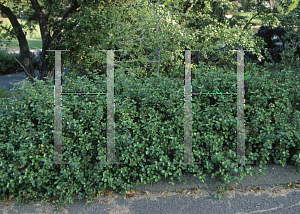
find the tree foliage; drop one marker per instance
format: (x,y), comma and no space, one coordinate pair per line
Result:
(289,20)
(203,21)
(286,7)
(44,13)
(115,26)
(125,31)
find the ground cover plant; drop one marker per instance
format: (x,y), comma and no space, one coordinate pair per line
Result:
(3,92)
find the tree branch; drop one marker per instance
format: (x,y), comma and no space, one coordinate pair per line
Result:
(247,24)
(73,8)
(24,68)
(189,7)
(42,15)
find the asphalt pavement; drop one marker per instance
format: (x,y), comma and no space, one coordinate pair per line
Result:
(9,80)
(277,191)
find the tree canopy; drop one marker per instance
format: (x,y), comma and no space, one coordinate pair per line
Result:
(204,23)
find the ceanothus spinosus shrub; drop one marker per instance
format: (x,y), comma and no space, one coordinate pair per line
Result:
(149,133)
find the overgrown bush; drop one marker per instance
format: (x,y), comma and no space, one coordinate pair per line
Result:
(149,131)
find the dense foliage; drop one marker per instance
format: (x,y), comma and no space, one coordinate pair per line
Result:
(149,131)
(149,36)
(149,105)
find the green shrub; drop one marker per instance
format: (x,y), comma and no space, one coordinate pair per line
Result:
(8,64)
(149,137)
(3,92)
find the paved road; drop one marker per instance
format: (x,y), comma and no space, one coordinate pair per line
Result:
(9,80)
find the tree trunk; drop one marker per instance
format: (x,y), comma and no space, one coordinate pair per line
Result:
(25,57)
(45,72)
(188,7)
